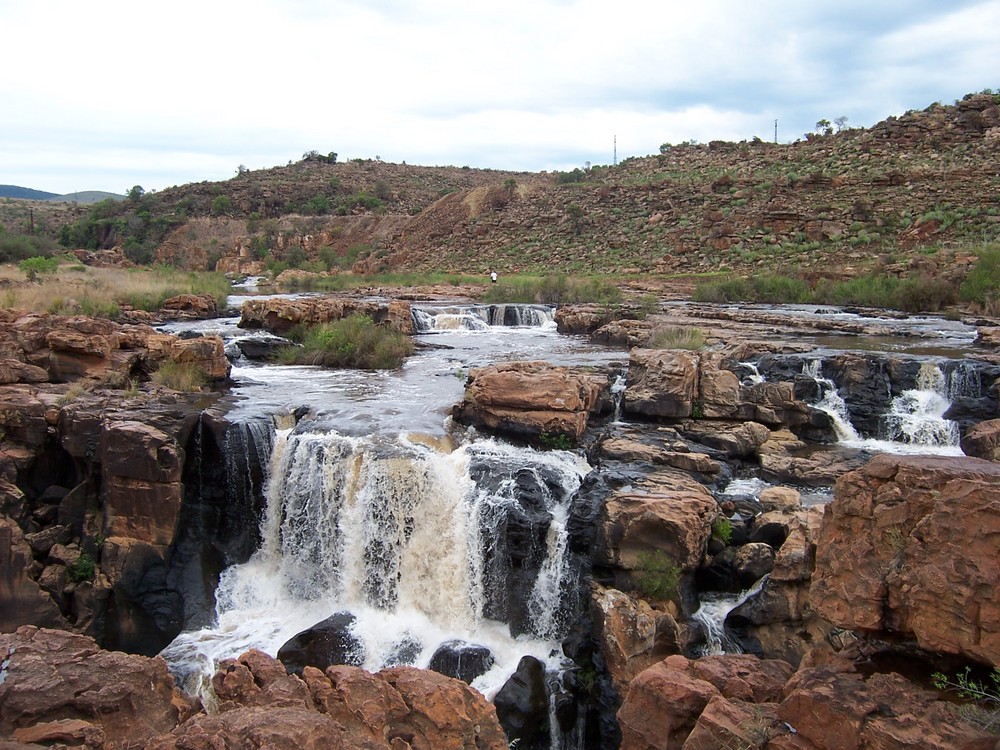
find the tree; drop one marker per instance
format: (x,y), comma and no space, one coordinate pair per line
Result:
(135,193)
(823,127)
(840,122)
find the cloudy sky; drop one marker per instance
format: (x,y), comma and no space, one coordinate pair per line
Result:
(106,95)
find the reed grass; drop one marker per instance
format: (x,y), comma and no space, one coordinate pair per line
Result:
(354,342)
(102,292)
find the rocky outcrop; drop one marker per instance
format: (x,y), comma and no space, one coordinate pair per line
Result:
(679,384)
(829,708)
(50,348)
(110,529)
(703,704)
(740,701)
(51,677)
(280,315)
(905,534)
(58,687)
(529,399)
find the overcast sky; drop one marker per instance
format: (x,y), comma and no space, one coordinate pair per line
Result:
(106,95)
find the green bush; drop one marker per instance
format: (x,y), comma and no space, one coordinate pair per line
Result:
(722,529)
(32,267)
(983,708)
(982,283)
(354,342)
(657,576)
(554,289)
(82,569)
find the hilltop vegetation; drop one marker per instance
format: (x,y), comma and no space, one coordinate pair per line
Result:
(917,194)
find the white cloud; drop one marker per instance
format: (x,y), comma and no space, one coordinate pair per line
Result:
(122,93)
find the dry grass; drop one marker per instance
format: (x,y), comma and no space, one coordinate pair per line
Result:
(79,289)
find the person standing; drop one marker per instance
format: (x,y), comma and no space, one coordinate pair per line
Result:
(493,276)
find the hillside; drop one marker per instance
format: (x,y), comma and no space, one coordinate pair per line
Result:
(916,192)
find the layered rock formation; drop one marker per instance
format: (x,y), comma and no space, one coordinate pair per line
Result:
(906,534)
(279,315)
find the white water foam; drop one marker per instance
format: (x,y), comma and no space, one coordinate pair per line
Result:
(389,531)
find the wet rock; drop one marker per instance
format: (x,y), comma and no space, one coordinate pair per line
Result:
(461,660)
(325,644)
(522,706)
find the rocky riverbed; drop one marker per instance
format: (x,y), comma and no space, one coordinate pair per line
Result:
(119,515)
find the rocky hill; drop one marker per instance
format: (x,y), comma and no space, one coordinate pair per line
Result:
(918,192)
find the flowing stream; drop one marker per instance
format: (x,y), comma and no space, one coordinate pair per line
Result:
(428,536)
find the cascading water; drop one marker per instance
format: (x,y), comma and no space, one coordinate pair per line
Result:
(914,423)
(399,535)
(712,613)
(481,317)
(831,402)
(916,416)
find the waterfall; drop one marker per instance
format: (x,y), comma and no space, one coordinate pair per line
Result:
(411,541)
(753,376)
(618,394)
(916,416)
(481,317)
(831,402)
(712,615)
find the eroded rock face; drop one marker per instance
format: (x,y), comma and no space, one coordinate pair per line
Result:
(51,675)
(281,315)
(678,384)
(51,348)
(668,512)
(529,399)
(905,534)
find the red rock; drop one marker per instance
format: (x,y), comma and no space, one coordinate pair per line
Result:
(51,675)
(909,545)
(22,601)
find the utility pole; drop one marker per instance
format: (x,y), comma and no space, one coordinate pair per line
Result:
(615,163)
(775,131)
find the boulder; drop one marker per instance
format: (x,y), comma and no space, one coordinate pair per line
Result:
(461,660)
(191,306)
(528,400)
(908,546)
(279,315)
(983,440)
(665,513)
(52,676)
(522,706)
(326,643)
(661,383)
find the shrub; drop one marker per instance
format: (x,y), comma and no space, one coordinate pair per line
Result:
(354,341)
(722,529)
(82,569)
(179,376)
(982,284)
(32,267)
(657,576)
(984,708)
(676,337)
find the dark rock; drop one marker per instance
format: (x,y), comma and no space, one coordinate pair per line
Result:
(461,660)
(325,644)
(522,706)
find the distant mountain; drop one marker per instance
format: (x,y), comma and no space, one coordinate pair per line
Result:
(22,193)
(85,196)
